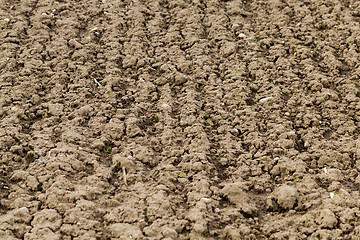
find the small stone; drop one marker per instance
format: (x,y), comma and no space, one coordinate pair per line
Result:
(242,35)
(234,131)
(23,211)
(235,26)
(75,44)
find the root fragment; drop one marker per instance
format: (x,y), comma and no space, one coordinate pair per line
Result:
(124,173)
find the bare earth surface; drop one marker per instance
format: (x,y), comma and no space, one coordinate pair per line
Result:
(178,119)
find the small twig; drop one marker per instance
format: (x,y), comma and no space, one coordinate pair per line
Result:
(124,172)
(97,82)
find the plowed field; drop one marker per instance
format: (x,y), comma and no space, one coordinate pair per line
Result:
(178,119)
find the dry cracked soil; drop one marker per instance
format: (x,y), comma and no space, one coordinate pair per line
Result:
(178,119)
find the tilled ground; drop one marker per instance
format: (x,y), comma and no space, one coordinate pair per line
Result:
(179,119)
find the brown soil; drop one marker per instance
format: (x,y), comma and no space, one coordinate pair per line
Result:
(179,119)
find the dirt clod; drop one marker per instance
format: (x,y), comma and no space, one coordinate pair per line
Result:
(286,196)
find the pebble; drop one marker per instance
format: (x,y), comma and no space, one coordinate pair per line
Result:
(23,211)
(234,131)
(235,25)
(74,43)
(242,35)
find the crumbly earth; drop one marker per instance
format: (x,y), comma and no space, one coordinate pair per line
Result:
(179,119)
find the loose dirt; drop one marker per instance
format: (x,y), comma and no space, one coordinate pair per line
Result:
(178,119)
